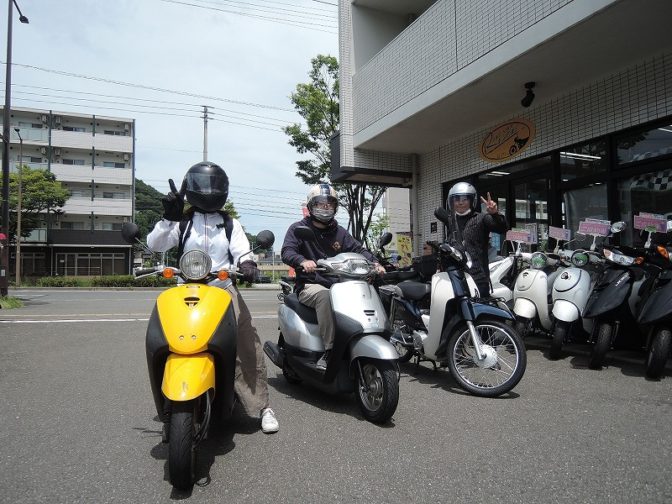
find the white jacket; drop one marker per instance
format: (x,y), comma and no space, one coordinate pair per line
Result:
(205,236)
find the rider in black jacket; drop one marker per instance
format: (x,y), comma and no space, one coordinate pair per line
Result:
(330,240)
(470,230)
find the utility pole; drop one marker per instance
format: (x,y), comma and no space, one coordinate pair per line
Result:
(18,211)
(205,132)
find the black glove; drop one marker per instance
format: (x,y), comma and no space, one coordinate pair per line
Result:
(173,204)
(249,271)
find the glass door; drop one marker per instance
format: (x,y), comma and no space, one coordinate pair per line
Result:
(530,206)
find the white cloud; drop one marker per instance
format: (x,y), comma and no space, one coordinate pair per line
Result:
(186,48)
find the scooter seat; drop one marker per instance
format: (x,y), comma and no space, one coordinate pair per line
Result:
(414,290)
(306,313)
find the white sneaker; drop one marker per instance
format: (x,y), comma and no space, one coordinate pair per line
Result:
(269,423)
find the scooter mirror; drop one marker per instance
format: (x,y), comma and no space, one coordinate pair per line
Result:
(669,226)
(385,239)
(443,215)
(265,239)
(130,232)
(619,226)
(304,233)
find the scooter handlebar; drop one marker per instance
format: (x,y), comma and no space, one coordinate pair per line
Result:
(146,271)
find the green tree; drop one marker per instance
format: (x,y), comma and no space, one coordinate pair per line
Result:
(40,192)
(376,230)
(317,102)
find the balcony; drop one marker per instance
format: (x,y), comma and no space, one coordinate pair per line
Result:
(86,238)
(86,140)
(99,206)
(78,173)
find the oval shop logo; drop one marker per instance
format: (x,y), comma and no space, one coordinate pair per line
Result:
(507,140)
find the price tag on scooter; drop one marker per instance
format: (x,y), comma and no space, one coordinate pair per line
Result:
(519,235)
(559,233)
(650,222)
(593,227)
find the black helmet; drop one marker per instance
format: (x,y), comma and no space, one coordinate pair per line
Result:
(206,186)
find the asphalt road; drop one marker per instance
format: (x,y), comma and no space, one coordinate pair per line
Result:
(78,425)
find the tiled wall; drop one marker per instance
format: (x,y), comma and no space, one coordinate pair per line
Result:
(450,35)
(621,100)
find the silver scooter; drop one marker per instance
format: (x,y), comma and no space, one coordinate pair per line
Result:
(362,360)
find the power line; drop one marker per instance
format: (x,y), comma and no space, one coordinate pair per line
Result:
(271,9)
(151,88)
(298,24)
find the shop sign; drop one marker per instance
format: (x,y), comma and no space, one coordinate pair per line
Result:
(519,235)
(559,233)
(650,222)
(507,140)
(594,227)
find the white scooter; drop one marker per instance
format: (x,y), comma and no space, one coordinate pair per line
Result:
(532,300)
(361,359)
(571,291)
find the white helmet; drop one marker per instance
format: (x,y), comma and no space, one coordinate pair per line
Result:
(462,189)
(319,197)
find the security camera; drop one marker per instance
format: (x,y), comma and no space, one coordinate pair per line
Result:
(529,95)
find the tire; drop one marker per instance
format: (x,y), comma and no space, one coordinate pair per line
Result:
(601,346)
(503,347)
(181,447)
(559,335)
(658,354)
(379,402)
(522,327)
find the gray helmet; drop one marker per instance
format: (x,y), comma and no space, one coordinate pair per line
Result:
(462,189)
(319,195)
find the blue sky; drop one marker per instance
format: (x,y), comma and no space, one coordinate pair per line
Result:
(240,58)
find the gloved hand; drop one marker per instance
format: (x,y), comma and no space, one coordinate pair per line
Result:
(249,270)
(173,203)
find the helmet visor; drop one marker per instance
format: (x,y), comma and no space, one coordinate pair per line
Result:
(324,202)
(206,183)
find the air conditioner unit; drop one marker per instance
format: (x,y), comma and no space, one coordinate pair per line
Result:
(57,151)
(57,119)
(44,118)
(127,127)
(127,157)
(43,150)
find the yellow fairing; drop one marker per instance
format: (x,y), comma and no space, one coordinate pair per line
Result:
(187,377)
(189,315)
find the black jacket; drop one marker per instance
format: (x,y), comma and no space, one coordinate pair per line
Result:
(330,241)
(472,233)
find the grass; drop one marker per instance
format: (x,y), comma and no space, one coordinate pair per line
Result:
(10,302)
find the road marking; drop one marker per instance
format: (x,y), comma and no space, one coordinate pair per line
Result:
(73,320)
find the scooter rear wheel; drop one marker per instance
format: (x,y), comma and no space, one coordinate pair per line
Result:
(377,389)
(504,364)
(181,445)
(658,354)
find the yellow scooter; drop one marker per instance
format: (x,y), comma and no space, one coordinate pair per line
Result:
(191,354)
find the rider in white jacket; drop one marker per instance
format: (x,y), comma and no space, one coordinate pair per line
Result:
(206,187)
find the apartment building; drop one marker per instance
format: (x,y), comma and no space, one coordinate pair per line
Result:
(93,157)
(561,109)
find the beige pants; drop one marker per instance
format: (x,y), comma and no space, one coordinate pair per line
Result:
(317,296)
(250,384)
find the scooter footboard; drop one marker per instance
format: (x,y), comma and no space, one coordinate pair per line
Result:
(187,377)
(373,347)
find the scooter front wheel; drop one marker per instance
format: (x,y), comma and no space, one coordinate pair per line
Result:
(376,389)
(658,354)
(601,346)
(503,363)
(181,445)
(559,335)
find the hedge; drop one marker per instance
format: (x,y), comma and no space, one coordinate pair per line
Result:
(105,281)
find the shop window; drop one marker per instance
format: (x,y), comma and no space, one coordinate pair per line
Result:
(643,145)
(650,192)
(583,160)
(581,204)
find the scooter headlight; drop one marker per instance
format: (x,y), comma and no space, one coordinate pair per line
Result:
(354,267)
(617,258)
(579,259)
(195,265)
(538,260)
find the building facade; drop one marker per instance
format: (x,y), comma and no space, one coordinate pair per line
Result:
(93,157)
(434,91)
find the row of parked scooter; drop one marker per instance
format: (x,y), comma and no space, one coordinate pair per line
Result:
(608,295)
